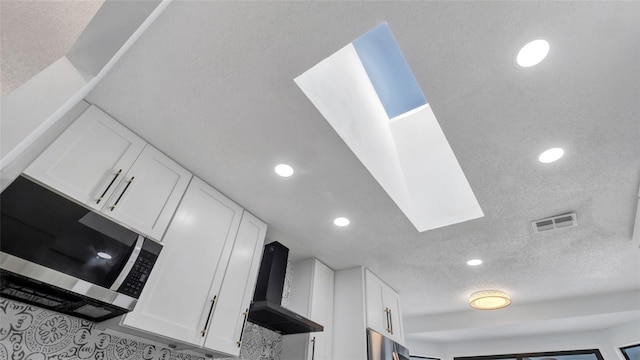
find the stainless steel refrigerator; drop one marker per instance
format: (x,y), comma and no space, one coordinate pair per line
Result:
(382,348)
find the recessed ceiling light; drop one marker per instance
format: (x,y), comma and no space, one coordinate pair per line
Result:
(532,53)
(474,262)
(551,155)
(284,170)
(341,221)
(489,300)
(104,255)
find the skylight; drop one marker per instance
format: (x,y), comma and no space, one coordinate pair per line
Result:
(388,71)
(368,94)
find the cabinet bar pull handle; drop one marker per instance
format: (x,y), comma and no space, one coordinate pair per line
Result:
(390,322)
(109,186)
(122,193)
(244,322)
(213,301)
(388,312)
(313,348)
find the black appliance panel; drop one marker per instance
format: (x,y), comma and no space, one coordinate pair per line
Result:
(139,274)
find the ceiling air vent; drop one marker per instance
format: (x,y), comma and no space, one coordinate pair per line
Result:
(555,222)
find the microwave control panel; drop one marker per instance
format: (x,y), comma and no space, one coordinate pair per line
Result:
(139,274)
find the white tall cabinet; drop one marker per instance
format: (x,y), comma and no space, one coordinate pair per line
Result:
(203,282)
(230,315)
(311,296)
(105,166)
(361,301)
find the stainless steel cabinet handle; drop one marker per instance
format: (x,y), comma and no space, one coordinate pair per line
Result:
(388,313)
(109,186)
(244,322)
(390,322)
(122,193)
(313,348)
(206,324)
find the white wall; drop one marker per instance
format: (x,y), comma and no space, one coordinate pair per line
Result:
(623,335)
(29,111)
(527,344)
(424,348)
(607,341)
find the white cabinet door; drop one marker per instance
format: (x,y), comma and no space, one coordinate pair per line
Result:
(102,164)
(89,159)
(322,312)
(376,312)
(311,296)
(383,308)
(391,303)
(149,193)
(231,310)
(177,297)
(350,315)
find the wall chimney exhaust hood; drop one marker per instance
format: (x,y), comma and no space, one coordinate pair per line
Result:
(266,309)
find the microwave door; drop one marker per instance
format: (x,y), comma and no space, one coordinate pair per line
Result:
(45,228)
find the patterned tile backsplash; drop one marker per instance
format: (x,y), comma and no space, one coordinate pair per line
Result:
(31,333)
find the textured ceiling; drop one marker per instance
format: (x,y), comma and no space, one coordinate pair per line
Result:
(34,34)
(211,84)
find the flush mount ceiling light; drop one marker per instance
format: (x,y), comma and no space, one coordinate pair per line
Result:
(532,53)
(474,262)
(367,92)
(341,221)
(489,300)
(104,255)
(551,155)
(284,170)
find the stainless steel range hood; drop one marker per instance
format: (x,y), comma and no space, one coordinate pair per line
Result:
(266,309)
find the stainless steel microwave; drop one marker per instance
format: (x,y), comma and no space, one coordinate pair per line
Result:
(57,254)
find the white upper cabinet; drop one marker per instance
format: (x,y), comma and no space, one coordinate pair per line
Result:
(149,193)
(201,287)
(89,159)
(383,308)
(311,296)
(391,303)
(376,311)
(184,284)
(363,300)
(102,164)
(229,317)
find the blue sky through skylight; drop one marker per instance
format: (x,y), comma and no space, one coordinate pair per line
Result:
(388,71)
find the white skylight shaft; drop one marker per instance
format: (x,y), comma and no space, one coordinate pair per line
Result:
(341,91)
(439,191)
(409,155)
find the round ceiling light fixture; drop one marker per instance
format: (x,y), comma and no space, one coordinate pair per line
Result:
(103,255)
(489,300)
(532,53)
(474,262)
(341,221)
(284,170)
(551,155)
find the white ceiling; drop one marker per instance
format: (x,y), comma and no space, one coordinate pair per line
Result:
(211,84)
(34,34)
